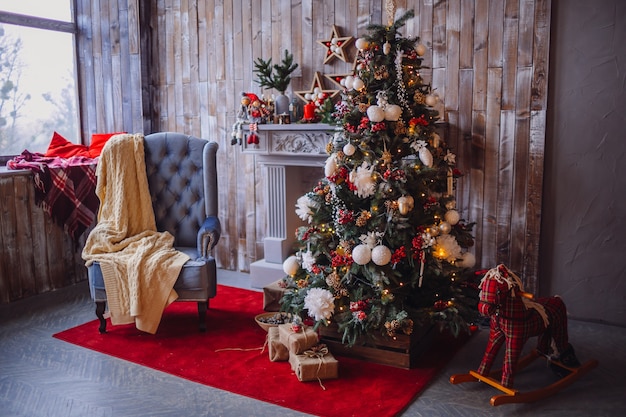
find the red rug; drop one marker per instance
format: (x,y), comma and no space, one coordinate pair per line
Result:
(219,358)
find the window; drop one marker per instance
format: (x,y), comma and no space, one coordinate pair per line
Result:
(38,89)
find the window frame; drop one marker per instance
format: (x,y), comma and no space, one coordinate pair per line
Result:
(38,22)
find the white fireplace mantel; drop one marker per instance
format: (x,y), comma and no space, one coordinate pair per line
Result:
(292,157)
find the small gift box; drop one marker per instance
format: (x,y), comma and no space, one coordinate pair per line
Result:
(277,351)
(298,340)
(314,364)
(272,294)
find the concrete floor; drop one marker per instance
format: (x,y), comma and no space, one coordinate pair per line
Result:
(43,376)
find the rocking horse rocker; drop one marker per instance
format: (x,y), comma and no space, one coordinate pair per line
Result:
(515,317)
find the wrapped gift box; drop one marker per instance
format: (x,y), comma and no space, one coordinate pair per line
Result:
(272,295)
(297,342)
(277,351)
(313,368)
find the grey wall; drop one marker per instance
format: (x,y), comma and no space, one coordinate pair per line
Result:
(583,246)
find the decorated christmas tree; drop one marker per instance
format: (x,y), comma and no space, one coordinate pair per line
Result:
(384,248)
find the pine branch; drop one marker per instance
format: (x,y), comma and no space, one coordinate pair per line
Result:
(282,72)
(275,76)
(263,69)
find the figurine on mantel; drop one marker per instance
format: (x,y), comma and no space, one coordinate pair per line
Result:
(252,110)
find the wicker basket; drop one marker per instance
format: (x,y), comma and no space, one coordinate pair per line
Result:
(265,326)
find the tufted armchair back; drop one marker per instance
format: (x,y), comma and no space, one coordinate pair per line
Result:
(182,178)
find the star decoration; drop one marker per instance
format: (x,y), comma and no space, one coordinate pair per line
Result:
(386,157)
(334,46)
(316,84)
(337,79)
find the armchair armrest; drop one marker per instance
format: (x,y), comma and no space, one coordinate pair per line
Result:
(209,235)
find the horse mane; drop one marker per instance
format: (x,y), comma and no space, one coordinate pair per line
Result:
(504,275)
(509,278)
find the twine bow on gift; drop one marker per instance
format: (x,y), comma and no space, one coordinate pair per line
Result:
(318,351)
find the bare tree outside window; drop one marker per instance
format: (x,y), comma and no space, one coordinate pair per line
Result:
(12,100)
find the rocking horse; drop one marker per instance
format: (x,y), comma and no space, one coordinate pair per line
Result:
(515,317)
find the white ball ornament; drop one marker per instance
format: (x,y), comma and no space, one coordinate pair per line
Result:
(445,228)
(393,112)
(291,265)
(362,43)
(430,100)
(358,84)
(331,166)
(468,260)
(420,49)
(361,254)
(386,48)
(375,113)
(349,149)
(348,82)
(452,217)
(425,156)
(381,255)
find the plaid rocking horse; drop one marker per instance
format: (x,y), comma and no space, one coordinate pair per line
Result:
(515,317)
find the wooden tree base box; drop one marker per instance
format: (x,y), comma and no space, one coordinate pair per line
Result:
(401,351)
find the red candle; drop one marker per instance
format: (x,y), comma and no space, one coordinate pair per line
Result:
(309,111)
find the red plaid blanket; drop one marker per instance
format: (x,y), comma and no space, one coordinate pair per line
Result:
(64,188)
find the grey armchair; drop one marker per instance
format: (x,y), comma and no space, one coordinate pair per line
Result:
(182,178)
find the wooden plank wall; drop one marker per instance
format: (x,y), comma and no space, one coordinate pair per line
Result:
(36,255)
(182,64)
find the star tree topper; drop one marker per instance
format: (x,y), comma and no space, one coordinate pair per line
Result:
(334,46)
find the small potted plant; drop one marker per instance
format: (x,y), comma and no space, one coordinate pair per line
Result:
(278,77)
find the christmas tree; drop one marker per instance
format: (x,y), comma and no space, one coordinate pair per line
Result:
(384,248)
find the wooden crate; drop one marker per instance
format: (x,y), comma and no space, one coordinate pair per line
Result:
(401,351)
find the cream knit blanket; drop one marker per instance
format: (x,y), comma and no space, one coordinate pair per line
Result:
(139,265)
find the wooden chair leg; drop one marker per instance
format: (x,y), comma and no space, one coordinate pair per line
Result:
(100,307)
(203,306)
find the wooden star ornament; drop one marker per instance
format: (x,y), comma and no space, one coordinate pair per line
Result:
(337,79)
(316,86)
(334,46)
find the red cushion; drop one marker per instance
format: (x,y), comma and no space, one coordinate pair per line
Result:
(97,142)
(63,148)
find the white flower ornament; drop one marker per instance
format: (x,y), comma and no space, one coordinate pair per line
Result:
(320,303)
